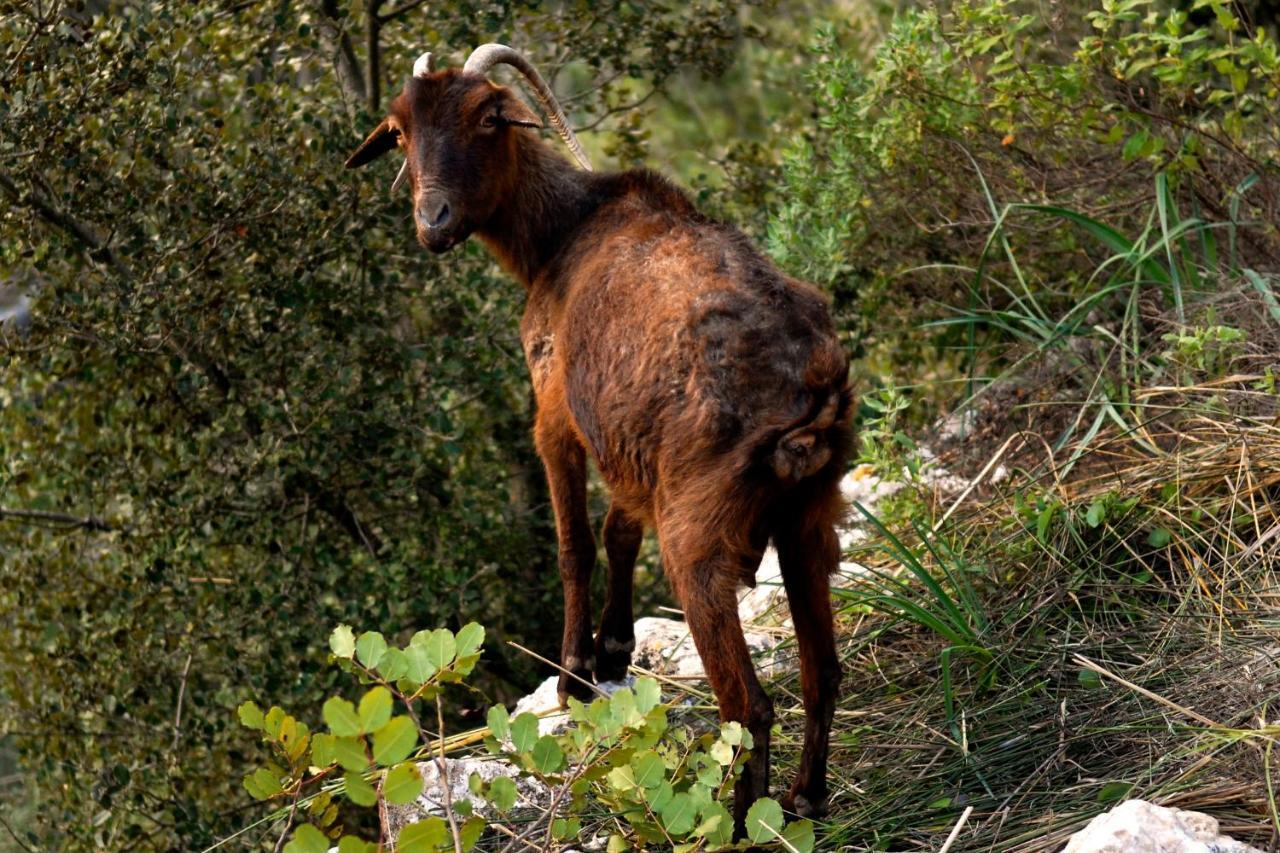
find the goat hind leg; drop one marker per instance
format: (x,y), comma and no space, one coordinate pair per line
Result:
(808,553)
(706,588)
(616,639)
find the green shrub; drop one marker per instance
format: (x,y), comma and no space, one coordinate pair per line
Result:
(621,767)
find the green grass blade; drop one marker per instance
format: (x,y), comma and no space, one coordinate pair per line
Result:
(1264,289)
(1107,236)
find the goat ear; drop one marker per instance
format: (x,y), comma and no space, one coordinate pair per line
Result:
(382,140)
(517,112)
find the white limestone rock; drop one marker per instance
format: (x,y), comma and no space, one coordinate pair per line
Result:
(1136,826)
(530,793)
(664,646)
(544,703)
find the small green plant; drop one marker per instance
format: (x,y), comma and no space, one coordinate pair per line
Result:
(1204,349)
(621,768)
(883,442)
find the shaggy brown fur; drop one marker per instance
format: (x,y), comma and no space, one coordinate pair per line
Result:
(708,387)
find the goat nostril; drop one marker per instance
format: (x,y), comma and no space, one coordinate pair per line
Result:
(433,215)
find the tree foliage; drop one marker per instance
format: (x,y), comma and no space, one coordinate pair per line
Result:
(247,403)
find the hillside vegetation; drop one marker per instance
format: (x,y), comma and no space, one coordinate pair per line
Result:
(246,407)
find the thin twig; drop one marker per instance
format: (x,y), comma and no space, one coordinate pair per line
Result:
(177,715)
(443,764)
(955,830)
(87,522)
(16,839)
(537,656)
(1200,718)
(288,822)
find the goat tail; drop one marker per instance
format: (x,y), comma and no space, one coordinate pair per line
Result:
(807,445)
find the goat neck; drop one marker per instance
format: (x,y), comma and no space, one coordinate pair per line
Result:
(548,200)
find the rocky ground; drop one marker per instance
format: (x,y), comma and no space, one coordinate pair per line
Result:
(664,648)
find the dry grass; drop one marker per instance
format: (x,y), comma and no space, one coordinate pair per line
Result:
(1132,654)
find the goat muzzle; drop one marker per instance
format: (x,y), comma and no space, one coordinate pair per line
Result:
(436,222)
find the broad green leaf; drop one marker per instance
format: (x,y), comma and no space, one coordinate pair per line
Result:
(470,639)
(393,665)
(471,831)
(395,741)
(375,709)
(307,839)
(440,646)
(1113,792)
(350,753)
(722,753)
(800,835)
(731,733)
(251,715)
(340,716)
(621,779)
(764,820)
(370,648)
(463,666)
(403,784)
(623,703)
(359,791)
(322,750)
(648,769)
(716,826)
(1159,537)
(547,755)
(499,722)
(648,694)
(502,793)
(419,665)
(524,732)
(351,844)
(262,784)
(423,837)
(271,722)
(658,797)
(343,642)
(679,814)
(702,795)
(563,829)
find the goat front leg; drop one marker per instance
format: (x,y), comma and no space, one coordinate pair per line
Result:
(616,639)
(565,461)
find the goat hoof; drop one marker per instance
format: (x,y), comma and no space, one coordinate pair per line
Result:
(569,686)
(613,659)
(799,804)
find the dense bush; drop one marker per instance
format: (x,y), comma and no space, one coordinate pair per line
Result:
(248,404)
(895,197)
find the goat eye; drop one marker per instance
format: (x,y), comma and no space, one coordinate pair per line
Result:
(490,120)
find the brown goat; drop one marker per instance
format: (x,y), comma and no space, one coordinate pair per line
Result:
(708,387)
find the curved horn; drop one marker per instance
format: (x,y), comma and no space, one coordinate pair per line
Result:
(486,56)
(423,66)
